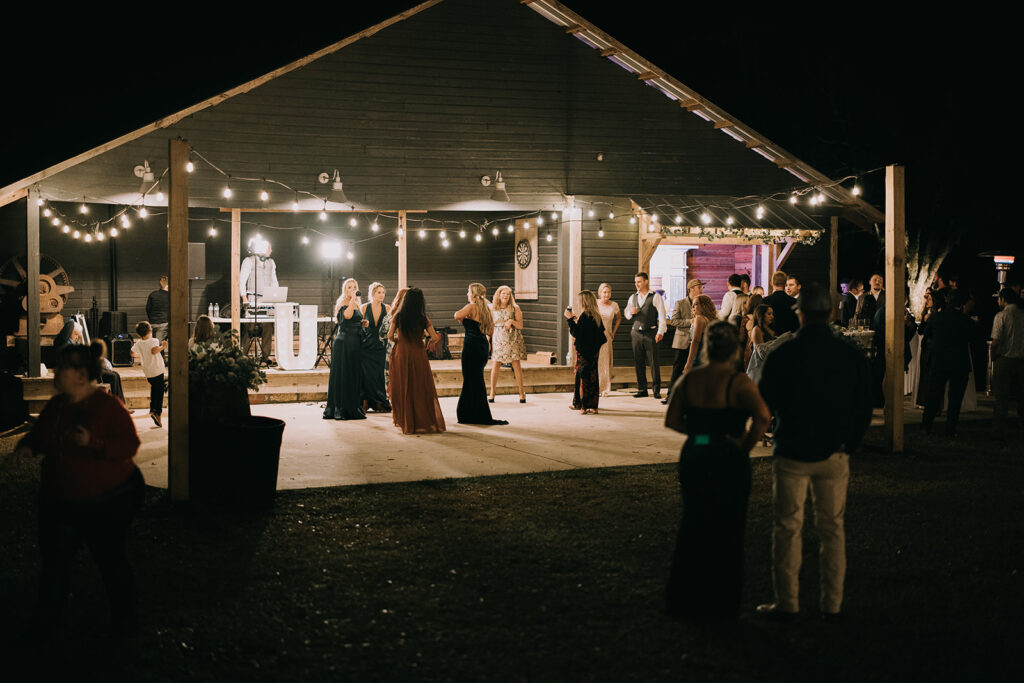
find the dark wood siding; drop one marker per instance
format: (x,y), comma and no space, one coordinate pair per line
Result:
(809,262)
(612,259)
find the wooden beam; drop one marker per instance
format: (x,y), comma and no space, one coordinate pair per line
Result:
(574,224)
(13,196)
(403,250)
(895,303)
(266,210)
(691,105)
(833,260)
(724,124)
(575,28)
(780,258)
(783,162)
(177,337)
(610,52)
(235,268)
(32,281)
(648,76)
(753,144)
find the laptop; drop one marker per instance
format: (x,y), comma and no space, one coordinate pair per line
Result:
(274,295)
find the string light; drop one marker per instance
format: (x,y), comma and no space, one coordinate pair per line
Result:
(792,198)
(352,222)
(323,213)
(75,234)
(400,232)
(730,220)
(423,233)
(159,193)
(611,215)
(305,238)
(350,255)
(264,195)
(705,218)
(679,219)
(47,213)
(212,232)
(512,228)
(443,236)
(632,220)
(66,229)
(600,229)
(83,209)
(143,213)
(39,202)
(654,217)
(540,220)
(855,191)
(88,237)
(590,214)
(548,236)
(114,232)
(227,192)
(760,212)
(554,215)
(189,167)
(375,227)
(445,243)
(295,202)
(494,231)
(56,222)
(478,237)
(462,233)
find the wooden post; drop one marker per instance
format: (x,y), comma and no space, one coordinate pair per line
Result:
(236,265)
(32,281)
(177,338)
(833,261)
(403,250)
(895,303)
(572,219)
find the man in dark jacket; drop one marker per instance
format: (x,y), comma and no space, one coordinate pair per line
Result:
(158,309)
(818,388)
(782,305)
(949,333)
(848,307)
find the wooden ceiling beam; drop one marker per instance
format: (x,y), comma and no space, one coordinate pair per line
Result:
(724,124)
(610,52)
(575,28)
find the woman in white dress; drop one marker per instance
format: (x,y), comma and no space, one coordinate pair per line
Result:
(508,345)
(612,318)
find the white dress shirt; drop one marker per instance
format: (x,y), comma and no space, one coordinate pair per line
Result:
(728,301)
(255,275)
(637,299)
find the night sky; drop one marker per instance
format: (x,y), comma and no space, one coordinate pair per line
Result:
(848,90)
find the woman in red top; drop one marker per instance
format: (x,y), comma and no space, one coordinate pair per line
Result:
(90,488)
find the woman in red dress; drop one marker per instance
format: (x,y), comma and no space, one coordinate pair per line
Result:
(414,404)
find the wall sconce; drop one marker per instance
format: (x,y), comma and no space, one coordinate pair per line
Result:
(337,192)
(499,194)
(148,179)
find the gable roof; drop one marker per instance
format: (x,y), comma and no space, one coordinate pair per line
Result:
(198,121)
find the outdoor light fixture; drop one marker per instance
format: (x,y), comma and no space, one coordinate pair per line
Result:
(499,194)
(330,249)
(259,246)
(146,173)
(337,187)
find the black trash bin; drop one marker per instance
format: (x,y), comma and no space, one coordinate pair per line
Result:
(254,448)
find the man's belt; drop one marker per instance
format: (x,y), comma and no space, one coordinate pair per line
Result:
(640,327)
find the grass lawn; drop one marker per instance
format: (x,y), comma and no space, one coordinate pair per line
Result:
(553,576)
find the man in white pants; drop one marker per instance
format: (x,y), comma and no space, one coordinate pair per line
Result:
(819,389)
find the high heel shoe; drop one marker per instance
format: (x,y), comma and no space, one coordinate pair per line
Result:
(490,400)
(522,400)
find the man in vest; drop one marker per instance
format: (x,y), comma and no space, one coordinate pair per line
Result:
(647,311)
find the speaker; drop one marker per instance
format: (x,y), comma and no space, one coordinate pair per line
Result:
(113,324)
(121,352)
(196,261)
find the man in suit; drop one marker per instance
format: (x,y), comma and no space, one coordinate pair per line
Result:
(647,311)
(848,307)
(729,300)
(682,318)
(949,333)
(782,305)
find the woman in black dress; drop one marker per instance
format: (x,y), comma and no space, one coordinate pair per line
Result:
(711,405)
(478,324)
(588,335)
(375,311)
(344,388)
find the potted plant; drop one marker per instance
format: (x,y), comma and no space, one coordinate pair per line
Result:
(233,455)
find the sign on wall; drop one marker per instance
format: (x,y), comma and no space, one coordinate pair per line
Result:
(525,260)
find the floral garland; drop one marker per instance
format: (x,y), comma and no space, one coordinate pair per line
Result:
(763,235)
(218,364)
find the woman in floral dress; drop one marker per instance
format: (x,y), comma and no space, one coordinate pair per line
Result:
(507,343)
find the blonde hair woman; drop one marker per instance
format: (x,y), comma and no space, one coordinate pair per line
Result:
(704,313)
(611,318)
(344,388)
(508,344)
(374,350)
(478,323)
(588,337)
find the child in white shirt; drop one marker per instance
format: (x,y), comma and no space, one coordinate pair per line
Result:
(149,351)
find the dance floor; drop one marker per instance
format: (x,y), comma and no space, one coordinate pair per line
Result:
(543,434)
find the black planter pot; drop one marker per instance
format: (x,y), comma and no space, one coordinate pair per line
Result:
(209,472)
(251,460)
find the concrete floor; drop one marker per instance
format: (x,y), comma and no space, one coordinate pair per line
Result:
(543,434)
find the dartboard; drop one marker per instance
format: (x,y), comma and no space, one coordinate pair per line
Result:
(524,255)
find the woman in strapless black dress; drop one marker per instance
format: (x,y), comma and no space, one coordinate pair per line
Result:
(711,405)
(478,323)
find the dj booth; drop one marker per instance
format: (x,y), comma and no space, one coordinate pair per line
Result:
(315,332)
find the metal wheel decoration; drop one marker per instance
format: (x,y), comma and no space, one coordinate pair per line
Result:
(54,287)
(524,254)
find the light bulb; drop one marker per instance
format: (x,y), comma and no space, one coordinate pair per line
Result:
(654,217)
(47,213)
(590,214)
(264,195)
(462,234)
(443,236)
(227,192)
(679,219)
(600,233)
(350,256)
(760,212)
(494,231)
(66,229)
(423,233)
(478,237)
(540,220)
(189,167)
(159,196)
(821,198)
(83,209)
(125,223)
(632,220)
(705,218)
(548,237)
(305,239)
(512,228)
(76,234)
(856,190)
(39,202)
(323,215)
(554,215)
(113,232)
(212,231)
(56,222)
(792,198)
(295,205)
(100,236)
(445,243)
(353,222)
(88,237)
(611,214)
(375,227)
(143,213)
(730,220)
(401,232)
